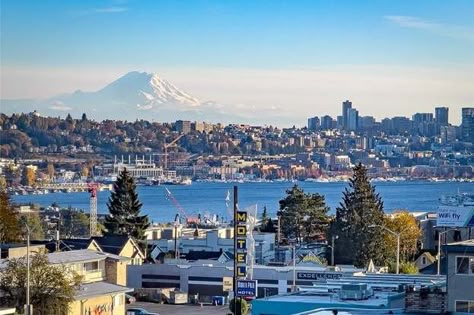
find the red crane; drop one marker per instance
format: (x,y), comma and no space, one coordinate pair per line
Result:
(180,209)
(92,188)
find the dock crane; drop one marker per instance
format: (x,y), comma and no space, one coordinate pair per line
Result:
(181,213)
(169,145)
(92,188)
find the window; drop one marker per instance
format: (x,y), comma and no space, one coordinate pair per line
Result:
(91,266)
(465,307)
(423,260)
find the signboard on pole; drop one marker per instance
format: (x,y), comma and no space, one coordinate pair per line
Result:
(452,216)
(227,284)
(247,288)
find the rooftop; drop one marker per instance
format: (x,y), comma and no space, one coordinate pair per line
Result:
(326,299)
(466,246)
(98,289)
(83,255)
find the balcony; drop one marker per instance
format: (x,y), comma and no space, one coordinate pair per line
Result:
(93,275)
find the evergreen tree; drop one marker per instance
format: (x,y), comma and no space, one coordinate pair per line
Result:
(303,216)
(361,208)
(124,207)
(266,223)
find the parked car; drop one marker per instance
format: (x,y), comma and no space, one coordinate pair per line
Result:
(130,299)
(139,311)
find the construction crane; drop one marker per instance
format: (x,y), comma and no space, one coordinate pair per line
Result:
(169,145)
(182,213)
(92,188)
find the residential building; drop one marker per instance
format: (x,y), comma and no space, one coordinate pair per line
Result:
(104,278)
(120,245)
(9,251)
(183,126)
(460,276)
(441,116)
(467,125)
(345,107)
(326,122)
(352,119)
(313,123)
(216,240)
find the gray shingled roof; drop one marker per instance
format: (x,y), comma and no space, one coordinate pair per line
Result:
(83,255)
(99,288)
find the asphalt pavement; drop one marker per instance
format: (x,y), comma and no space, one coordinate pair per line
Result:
(169,309)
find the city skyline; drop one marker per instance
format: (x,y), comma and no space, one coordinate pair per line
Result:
(289,61)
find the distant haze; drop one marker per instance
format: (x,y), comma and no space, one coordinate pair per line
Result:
(265,62)
(283,97)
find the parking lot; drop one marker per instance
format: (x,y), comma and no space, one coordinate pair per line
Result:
(169,309)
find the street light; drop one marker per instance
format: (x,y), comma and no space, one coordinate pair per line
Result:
(333,238)
(294,268)
(398,242)
(439,249)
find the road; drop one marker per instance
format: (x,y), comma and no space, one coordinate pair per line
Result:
(169,309)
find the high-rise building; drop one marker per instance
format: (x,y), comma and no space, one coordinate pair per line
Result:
(467,125)
(401,125)
(448,134)
(183,126)
(352,119)
(441,116)
(422,117)
(366,122)
(326,122)
(345,107)
(313,123)
(340,122)
(424,124)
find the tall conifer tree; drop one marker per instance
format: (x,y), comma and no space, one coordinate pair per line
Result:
(361,207)
(303,215)
(124,207)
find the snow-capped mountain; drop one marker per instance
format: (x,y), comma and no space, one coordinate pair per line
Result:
(135,90)
(137,95)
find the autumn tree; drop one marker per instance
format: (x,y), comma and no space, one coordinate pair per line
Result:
(303,215)
(52,288)
(50,170)
(124,207)
(357,223)
(29,176)
(410,234)
(10,230)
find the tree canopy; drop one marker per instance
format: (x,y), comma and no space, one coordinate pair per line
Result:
(303,215)
(410,234)
(52,288)
(266,223)
(10,230)
(358,222)
(124,207)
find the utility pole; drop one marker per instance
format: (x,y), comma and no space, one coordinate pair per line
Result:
(294,268)
(237,310)
(440,234)
(28,307)
(397,235)
(333,238)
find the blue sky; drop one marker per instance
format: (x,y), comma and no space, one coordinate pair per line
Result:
(186,40)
